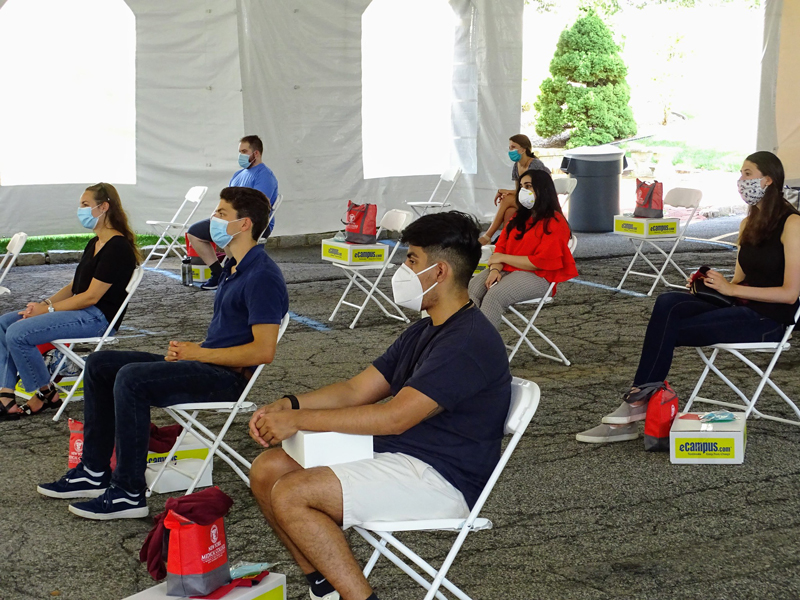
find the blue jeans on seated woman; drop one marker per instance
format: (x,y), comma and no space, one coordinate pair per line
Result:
(19,338)
(119,389)
(681,319)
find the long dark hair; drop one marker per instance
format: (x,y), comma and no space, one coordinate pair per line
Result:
(545,206)
(115,216)
(524,141)
(763,218)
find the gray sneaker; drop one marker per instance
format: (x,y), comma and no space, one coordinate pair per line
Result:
(603,434)
(626,414)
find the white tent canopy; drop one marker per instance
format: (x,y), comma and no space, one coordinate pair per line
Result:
(208,73)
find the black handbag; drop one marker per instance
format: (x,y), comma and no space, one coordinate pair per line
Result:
(702,291)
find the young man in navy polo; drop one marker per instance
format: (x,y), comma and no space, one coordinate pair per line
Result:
(120,387)
(436,441)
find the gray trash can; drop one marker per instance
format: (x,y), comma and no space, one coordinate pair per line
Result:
(595,201)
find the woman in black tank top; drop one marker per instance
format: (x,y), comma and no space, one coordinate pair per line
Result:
(765,288)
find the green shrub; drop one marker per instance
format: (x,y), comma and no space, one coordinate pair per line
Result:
(587,92)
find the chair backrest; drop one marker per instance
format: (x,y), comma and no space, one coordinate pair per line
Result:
(13,249)
(16,243)
(572,243)
(243,396)
(196,193)
(396,220)
(524,402)
(451,174)
(276,205)
(133,284)
(684,197)
(194,196)
(565,185)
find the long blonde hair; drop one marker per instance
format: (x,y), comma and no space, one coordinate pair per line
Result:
(115,217)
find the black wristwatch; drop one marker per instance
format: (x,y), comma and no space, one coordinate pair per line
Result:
(293,399)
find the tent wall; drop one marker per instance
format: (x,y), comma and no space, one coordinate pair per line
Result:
(188,120)
(779,118)
(301,75)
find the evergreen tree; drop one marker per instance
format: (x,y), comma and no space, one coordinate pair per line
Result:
(587,92)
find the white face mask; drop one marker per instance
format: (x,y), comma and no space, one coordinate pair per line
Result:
(751,191)
(526,198)
(407,288)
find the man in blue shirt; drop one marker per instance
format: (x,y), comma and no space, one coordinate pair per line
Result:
(253,174)
(436,441)
(120,387)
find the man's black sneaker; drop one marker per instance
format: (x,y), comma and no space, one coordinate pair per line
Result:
(115,503)
(77,483)
(212,283)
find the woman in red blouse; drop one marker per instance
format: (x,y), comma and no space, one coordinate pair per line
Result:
(531,252)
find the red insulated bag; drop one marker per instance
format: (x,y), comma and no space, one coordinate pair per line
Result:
(361,223)
(649,200)
(76,445)
(661,412)
(197,556)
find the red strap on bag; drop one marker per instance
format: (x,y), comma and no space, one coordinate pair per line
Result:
(661,412)
(649,200)
(361,223)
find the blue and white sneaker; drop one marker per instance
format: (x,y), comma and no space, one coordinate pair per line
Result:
(77,483)
(115,503)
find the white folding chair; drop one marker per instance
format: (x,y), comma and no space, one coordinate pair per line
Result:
(773,348)
(170,231)
(678,197)
(381,535)
(528,326)
(186,416)
(564,187)
(450,176)
(275,206)
(13,249)
(67,346)
(393,220)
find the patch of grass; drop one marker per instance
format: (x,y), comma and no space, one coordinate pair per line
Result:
(43,243)
(705,159)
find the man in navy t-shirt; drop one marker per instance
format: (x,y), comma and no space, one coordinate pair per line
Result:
(437,439)
(120,387)
(253,174)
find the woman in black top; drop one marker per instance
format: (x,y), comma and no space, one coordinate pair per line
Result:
(765,288)
(82,308)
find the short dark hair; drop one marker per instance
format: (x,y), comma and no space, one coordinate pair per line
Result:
(251,203)
(254,142)
(451,237)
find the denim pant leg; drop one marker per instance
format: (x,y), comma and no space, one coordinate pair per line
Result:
(8,370)
(23,336)
(139,386)
(680,319)
(99,424)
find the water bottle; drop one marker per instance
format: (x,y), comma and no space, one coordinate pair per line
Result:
(186,271)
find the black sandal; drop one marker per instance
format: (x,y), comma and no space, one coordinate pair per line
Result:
(5,409)
(47,401)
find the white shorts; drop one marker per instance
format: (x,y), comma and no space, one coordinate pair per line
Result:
(396,487)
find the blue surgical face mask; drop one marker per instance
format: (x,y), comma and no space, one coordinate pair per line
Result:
(219,231)
(244,161)
(86,218)
(514,155)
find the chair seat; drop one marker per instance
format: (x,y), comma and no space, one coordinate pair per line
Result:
(755,346)
(661,238)
(170,223)
(425,525)
(218,406)
(88,340)
(428,203)
(362,267)
(547,300)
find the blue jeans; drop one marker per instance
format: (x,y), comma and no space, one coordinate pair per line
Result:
(680,319)
(119,389)
(19,338)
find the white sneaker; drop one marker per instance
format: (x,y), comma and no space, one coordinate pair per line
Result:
(334,595)
(626,414)
(604,433)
